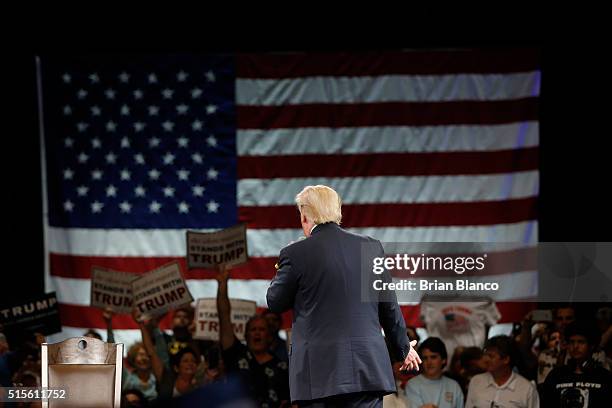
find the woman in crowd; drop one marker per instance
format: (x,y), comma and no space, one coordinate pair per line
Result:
(180,376)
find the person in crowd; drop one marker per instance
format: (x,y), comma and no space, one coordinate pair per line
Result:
(25,362)
(455,371)
(582,382)
(548,357)
(265,375)
(133,398)
(141,376)
(6,362)
(432,389)
(182,326)
(500,386)
(93,334)
(472,362)
(182,321)
(529,333)
(278,347)
(179,376)
(213,369)
(603,319)
(564,315)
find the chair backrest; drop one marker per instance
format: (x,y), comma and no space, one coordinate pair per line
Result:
(88,368)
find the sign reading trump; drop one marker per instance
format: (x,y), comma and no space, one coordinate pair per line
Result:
(160,290)
(207,319)
(111,289)
(209,249)
(38,314)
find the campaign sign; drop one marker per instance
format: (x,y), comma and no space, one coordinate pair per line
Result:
(209,249)
(39,314)
(111,289)
(207,319)
(160,290)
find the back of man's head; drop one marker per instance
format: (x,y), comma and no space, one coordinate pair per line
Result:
(320,204)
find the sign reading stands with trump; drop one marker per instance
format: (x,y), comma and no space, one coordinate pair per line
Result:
(207,319)
(160,290)
(112,289)
(209,249)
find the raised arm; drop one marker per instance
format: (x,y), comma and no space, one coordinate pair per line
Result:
(156,362)
(224,309)
(108,318)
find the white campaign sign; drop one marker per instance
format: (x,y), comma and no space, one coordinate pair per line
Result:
(112,289)
(160,290)
(207,319)
(209,249)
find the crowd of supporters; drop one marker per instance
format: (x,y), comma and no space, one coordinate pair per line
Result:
(565,362)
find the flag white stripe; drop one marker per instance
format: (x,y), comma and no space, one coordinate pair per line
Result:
(386,139)
(387,88)
(265,242)
(516,285)
(394,189)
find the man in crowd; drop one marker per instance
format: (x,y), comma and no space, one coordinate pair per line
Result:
(563,316)
(278,346)
(500,386)
(265,375)
(431,389)
(583,382)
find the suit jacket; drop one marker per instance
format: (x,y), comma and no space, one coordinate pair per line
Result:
(337,345)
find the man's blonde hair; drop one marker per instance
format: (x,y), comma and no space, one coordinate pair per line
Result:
(320,204)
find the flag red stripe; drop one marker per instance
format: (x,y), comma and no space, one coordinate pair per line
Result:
(79,267)
(91,317)
(388,164)
(387,114)
(389,63)
(88,317)
(403,215)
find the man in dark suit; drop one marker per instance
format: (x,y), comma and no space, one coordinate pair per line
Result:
(338,356)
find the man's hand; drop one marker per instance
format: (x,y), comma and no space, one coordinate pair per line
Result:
(412,360)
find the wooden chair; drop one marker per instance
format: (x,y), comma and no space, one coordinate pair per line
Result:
(88,368)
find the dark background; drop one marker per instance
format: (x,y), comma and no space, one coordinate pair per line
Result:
(574,203)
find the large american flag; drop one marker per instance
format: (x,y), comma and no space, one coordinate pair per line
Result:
(423,146)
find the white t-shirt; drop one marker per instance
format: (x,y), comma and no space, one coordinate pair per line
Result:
(517,392)
(459,323)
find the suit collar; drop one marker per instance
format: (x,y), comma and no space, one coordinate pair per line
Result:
(324,226)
